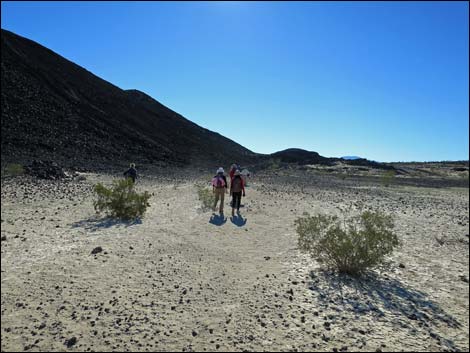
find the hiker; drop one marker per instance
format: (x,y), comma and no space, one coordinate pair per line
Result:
(245,174)
(233,168)
(237,186)
(131,173)
(219,187)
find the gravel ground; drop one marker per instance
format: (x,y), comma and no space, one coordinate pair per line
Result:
(185,279)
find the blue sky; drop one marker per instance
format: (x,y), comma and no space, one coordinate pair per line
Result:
(384,80)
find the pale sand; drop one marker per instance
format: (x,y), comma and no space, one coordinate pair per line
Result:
(177,282)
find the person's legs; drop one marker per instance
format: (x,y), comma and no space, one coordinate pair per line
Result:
(222,197)
(236,201)
(233,203)
(216,198)
(239,201)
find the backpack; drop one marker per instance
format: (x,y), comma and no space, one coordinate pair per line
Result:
(237,184)
(218,181)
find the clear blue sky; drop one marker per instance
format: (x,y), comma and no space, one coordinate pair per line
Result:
(387,80)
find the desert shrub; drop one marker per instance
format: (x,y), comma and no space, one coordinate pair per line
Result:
(206,196)
(388,178)
(274,163)
(351,245)
(121,200)
(14,169)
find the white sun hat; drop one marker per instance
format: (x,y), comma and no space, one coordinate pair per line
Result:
(220,170)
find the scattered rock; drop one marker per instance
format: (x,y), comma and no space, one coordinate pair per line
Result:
(4,237)
(70,342)
(463,278)
(97,250)
(45,170)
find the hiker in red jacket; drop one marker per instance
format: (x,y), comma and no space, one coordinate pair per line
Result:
(237,187)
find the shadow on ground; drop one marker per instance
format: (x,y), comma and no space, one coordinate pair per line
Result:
(239,221)
(218,219)
(380,295)
(94,223)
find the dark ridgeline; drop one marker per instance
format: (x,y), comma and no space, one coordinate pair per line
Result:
(303,157)
(54,109)
(300,156)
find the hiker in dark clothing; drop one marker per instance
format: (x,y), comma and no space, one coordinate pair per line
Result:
(131,173)
(237,186)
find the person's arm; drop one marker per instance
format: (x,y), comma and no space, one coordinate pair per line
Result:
(243,186)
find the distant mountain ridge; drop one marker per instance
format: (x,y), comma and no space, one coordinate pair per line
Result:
(304,157)
(300,156)
(54,109)
(351,157)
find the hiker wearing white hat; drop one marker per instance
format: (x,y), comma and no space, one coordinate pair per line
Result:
(219,187)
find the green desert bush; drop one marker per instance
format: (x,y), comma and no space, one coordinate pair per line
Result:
(388,178)
(274,163)
(350,246)
(13,169)
(121,200)
(206,196)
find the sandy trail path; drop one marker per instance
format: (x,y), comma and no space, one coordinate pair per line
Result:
(184,280)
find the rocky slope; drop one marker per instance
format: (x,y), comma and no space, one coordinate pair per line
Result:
(55,109)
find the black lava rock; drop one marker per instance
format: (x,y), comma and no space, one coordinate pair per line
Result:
(70,342)
(97,250)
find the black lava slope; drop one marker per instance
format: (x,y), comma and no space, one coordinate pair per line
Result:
(54,109)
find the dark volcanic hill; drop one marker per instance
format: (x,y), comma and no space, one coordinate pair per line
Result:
(303,157)
(300,156)
(55,109)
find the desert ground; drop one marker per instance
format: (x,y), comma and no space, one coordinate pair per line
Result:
(185,279)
